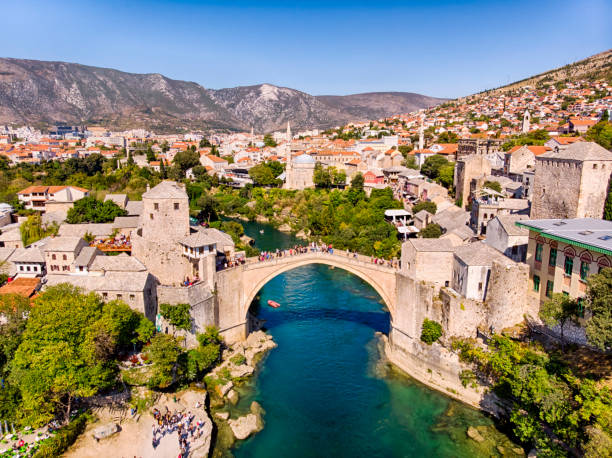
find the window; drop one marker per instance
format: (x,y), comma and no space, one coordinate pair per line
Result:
(584,270)
(104,296)
(536,283)
(132,297)
(64,257)
(156,206)
(119,297)
(53,257)
(538,253)
(28,268)
(176,205)
(549,288)
(552,258)
(569,265)
(21,268)
(580,302)
(65,268)
(150,215)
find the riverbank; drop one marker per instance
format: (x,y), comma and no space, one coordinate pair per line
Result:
(438,368)
(225,384)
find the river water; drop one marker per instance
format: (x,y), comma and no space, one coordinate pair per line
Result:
(326,389)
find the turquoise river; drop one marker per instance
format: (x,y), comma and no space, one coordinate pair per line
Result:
(326,389)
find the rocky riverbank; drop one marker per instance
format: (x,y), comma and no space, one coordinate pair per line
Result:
(239,362)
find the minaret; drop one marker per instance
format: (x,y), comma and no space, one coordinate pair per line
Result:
(288,145)
(421,136)
(526,121)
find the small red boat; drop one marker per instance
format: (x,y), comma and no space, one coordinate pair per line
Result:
(274,304)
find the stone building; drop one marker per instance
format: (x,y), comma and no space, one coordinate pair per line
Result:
(563,253)
(428,259)
(163,224)
(299,173)
(571,183)
(472,268)
(490,204)
(508,238)
(467,170)
(478,146)
(61,252)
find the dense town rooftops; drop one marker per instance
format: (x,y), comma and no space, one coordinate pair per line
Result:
(590,233)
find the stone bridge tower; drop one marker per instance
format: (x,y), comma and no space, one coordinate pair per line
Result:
(163,223)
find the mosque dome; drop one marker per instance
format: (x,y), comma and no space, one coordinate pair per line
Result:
(304,159)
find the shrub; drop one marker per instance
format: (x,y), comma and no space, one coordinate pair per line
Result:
(431,331)
(238,360)
(65,437)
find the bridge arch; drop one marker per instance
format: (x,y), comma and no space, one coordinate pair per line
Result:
(257,275)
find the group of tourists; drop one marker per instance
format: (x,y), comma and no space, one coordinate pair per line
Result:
(384,262)
(297,249)
(183,423)
(188,282)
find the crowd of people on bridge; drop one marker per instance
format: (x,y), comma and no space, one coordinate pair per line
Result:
(183,423)
(297,249)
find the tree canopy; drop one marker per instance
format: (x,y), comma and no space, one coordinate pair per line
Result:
(601,133)
(599,298)
(67,350)
(90,210)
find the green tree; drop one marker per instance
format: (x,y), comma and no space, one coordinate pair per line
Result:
(269,141)
(432,165)
(32,229)
(184,160)
(265,174)
(599,298)
(411,162)
(446,175)
(90,210)
(178,315)
(431,231)
(322,176)
(357,182)
(431,207)
(431,331)
(608,207)
(558,310)
(64,353)
(601,133)
(164,352)
(448,137)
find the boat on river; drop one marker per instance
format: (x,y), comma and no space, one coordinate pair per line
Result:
(273,304)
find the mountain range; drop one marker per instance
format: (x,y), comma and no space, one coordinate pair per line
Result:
(42,93)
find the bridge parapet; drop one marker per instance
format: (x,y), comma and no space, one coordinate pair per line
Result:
(340,256)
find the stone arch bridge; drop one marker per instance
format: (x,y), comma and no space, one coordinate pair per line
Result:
(236,287)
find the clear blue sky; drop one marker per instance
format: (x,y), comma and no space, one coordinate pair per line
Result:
(443,48)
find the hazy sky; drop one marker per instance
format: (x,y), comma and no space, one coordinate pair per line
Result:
(443,48)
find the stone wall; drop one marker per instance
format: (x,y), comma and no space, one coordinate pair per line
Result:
(229,292)
(467,169)
(556,188)
(163,260)
(507,299)
(202,303)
